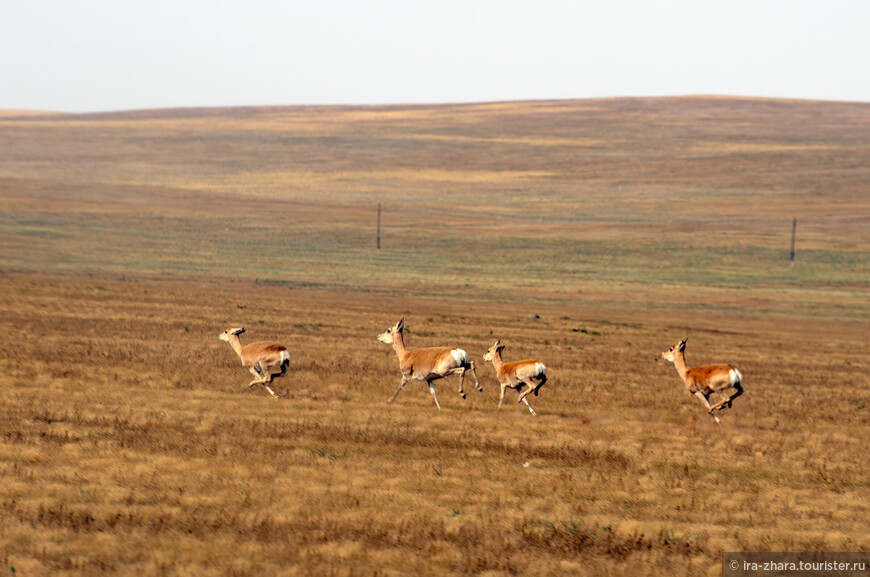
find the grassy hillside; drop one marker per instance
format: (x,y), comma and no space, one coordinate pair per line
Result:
(129,443)
(661,202)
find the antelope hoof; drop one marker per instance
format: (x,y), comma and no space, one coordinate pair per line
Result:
(479,389)
(462,395)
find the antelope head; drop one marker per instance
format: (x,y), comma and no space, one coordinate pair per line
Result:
(388,335)
(495,348)
(670,354)
(225,336)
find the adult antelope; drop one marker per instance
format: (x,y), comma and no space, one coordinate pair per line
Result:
(427,365)
(524,376)
(259,358)
(706,380)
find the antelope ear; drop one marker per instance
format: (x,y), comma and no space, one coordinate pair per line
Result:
(496,344)
(682,344)
(400,325)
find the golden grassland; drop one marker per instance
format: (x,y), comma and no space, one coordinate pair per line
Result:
(129,443)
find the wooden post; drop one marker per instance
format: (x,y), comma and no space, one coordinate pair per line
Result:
(379,226)
(793,234)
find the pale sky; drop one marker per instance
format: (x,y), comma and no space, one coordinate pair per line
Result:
(101,55)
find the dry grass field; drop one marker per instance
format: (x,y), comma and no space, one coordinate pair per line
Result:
(130,444)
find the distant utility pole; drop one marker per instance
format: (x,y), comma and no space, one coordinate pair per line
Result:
(793,234)
(379,226)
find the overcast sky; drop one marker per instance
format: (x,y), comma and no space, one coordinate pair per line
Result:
(98,55)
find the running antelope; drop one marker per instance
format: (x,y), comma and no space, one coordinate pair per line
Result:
(427,364)
(704,381)
(519,375)
(259,358)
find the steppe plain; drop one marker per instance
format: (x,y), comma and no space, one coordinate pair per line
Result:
(130,443)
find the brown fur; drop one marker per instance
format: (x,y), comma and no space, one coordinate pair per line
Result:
(436,362)
(429,364)
(705,380)
(259,358)
(708,378)
(516,372)
(524,376)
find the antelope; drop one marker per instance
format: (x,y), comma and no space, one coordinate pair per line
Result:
(429,364)
(524,376)
(259,358)
(704,381)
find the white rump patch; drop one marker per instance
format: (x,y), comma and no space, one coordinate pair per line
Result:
(285,356)
(540,368)
(460,356)
(736,377)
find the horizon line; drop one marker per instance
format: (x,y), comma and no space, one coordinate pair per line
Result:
(26,112)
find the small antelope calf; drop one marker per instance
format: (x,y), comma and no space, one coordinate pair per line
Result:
(259,358)
(524,376)
(427,364)
(706,380)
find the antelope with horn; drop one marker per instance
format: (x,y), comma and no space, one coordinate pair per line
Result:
(260,358)
(429,364)
(706,380)
(524,376)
